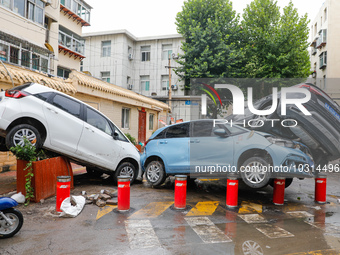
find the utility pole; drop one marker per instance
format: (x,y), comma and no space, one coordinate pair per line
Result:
(170,89)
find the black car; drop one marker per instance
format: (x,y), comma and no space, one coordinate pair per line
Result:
(320,131)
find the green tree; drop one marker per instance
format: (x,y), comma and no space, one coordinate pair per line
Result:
(211,32)
(276,44)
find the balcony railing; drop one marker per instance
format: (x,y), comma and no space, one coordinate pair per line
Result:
(72,44)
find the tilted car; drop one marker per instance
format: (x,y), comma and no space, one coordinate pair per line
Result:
(214,148)
(62,124)
(320,132)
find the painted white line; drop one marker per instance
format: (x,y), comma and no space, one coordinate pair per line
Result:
(300,214)
(207,230)
(141,234)
(253,218)
(272,231)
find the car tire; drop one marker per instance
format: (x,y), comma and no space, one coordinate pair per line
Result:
(256,180)
(126,169)
(155,174)
(17,134)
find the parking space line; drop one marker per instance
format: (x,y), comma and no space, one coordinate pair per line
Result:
(273,231)
(204,208)
(248,207)
(207,230)
(152,210)
(141,234)
(253,218)
(103,211)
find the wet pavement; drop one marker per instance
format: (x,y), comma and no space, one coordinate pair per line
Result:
(206,226)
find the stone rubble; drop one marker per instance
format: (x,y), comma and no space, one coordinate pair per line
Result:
(105,197)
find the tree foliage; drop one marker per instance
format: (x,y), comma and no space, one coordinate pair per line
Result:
(265,44)
(211,31)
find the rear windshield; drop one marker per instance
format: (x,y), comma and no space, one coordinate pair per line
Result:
(21,87)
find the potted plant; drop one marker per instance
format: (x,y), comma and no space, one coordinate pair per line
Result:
(37,174)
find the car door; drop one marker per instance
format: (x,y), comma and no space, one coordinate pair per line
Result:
(64,123)
(210,153)
(96,143)
(175,148)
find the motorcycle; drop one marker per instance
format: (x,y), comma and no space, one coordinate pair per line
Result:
(11,220)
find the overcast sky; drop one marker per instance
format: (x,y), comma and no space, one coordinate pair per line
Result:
(157,17)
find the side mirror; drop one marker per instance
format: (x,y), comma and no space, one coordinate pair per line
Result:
(115,135)
(220,132)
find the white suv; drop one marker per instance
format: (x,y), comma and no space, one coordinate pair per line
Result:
(60,123)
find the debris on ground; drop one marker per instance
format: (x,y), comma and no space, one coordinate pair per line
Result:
(105,197)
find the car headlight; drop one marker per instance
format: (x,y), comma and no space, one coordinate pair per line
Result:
(282,142)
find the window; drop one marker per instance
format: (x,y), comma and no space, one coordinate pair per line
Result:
(151,116)
(3,52)
(323,60)
(202,128)
(125,118)
(166,51)
(106,48)
(35,61)
(325,14)
(97,120)
(70,40)
(322,38)
(105,76)
(68,105)
(145,82)
(14,55)
(165,82)
(25,58)
(63,72)
(145,53)
(178,131)
(30,9)
(77,8)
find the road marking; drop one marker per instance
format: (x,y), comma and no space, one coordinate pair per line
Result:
(152,210)
(207,230)
(203,208)
(248,207)
(300,214)
(105,210)
(253,218)
(141,234)
(272,231)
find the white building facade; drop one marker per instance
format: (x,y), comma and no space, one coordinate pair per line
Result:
(325,49)
(138,64)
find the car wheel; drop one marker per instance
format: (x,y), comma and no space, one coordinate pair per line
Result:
(155,173)
(18,134)
(126,169)
(255,172)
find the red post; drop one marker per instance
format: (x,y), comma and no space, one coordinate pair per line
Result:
(63,190)
(180,191)
(123,193)
(279,191)
(232,192)
(320,189)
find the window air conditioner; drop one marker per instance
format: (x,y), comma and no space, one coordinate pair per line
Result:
(130,86)
(174,87)
(130,56)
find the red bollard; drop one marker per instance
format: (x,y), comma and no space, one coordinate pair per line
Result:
(320,189)
(63,190)
(279,191)
(180,191)
(123,193)
(232,192)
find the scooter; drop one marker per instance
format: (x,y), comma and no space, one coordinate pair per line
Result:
(11,220)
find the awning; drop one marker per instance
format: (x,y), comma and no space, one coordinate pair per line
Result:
(21,75)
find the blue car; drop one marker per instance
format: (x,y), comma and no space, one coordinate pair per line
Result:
(214,148)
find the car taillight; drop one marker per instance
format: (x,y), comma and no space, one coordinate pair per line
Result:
(311,89)
(15,93)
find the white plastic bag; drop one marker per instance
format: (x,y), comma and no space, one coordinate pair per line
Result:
(68,210)
(19,197)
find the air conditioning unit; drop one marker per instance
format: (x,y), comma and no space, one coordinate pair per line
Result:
(174,56)
(130,56)
(174,87)
(130,86)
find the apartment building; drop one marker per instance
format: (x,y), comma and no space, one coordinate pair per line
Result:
(325,53)
(43,35)
(139,64)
